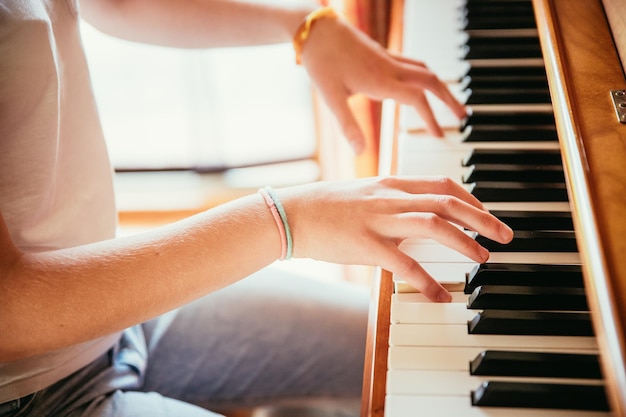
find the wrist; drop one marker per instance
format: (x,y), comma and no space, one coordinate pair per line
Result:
(306,26)
(280,218)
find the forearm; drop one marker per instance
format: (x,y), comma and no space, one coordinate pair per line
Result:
(198,23)
(68,296)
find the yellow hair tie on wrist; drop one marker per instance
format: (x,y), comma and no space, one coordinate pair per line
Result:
(304,30)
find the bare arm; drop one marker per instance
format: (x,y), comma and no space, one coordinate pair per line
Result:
(67,296)
(341,60)
(198,23)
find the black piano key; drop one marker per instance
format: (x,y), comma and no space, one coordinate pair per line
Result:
(527,298)
(490,48)
(527,39)
(520,81)
(514,172)
(524,274)
(510,133)
(509,95)
(491,191)
(509,118)
(493,72)
(537,395)
(536,364)
(498,7)
(497,21)
(534,241)
(513,156)
(536,220)
(531,323)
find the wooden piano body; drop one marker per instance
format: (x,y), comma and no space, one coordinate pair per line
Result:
(580,41)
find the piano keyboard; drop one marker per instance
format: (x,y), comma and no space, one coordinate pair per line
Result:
(516,340)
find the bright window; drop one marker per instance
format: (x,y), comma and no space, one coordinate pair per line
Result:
(200,109)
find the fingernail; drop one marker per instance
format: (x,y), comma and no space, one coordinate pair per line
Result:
(484,255)
(506,233)
(444,297)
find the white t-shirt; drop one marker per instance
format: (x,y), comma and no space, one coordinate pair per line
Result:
(56,188)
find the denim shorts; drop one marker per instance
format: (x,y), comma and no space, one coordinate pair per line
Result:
(271,339)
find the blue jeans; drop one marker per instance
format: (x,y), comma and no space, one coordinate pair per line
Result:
(271,339)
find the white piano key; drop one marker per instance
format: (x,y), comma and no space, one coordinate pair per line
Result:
(450,358)
(431,358)
(402,286)
(528,206)
(456,335)
(447,273)
(414,144)
(430,252)
(433,252)
(452,406)
(411,121)
(501,33)
(448,164)
(430,241)
(452,274)
(441,49)
(457,383)
(509,62)
(416,308)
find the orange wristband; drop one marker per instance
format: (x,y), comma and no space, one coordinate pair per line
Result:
(302,34)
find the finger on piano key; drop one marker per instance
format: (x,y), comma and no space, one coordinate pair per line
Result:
(412,308)
(450,274)
(507,117)
(442,113)
(534,241)
(536,220)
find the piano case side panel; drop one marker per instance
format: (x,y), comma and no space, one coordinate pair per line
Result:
(377,346)
(583,67)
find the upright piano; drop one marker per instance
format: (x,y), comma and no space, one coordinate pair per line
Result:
(539,330)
